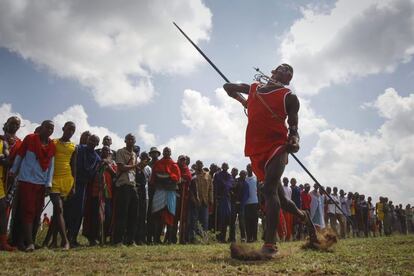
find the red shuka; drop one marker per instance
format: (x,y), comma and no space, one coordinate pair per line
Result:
(166,165)
(14,147)
(266,134)
(306,200)
(44,153)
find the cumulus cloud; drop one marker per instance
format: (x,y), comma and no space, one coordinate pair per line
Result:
(111,47)
(216,132)
(309,121)
(78,115)
(26,126)
(353,39)
(148,138)
(376,164)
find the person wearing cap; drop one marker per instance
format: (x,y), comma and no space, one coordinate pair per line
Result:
(154,153)
(269,141)
(143,175)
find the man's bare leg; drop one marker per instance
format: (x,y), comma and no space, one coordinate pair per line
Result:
(289,206)
(58,216)
(275,199)
(272,183)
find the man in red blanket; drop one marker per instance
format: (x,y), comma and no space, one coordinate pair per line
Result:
(269,140)
(165,176)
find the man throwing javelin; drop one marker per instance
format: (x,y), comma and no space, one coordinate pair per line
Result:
(268,142)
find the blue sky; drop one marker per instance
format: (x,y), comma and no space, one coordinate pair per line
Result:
(123,68)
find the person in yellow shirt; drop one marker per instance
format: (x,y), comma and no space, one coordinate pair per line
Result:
(379,209)
(63,179)
(4,154)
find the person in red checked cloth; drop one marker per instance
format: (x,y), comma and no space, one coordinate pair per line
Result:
(268,143)
(164,178)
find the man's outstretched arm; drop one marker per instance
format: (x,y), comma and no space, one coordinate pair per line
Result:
(234,90)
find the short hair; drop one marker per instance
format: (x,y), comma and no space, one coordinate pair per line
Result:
(47,122)
(6,124)
(69,123)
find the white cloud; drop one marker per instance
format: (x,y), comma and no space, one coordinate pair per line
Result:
(354,39)
(26,126)
(111,47)
(375,164)
(309,122)
(148,138)
(216,132)
(78,115)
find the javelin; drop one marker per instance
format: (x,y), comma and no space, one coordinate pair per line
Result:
(294,156)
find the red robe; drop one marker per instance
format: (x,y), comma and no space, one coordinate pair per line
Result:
(266,134)
(168,166)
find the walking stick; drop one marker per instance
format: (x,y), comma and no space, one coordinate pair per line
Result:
(101,203)
(182,223)
(215,210)
(294,156)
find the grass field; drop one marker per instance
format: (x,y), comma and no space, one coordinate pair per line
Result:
(380,256)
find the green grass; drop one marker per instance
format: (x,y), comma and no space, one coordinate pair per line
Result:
(379,256)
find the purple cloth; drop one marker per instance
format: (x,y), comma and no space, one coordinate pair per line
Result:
(223,182)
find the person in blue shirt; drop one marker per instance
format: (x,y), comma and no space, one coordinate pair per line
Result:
(252,206)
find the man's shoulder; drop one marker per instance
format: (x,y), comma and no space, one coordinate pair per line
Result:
(124,151)
(29,137)
(121,150)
